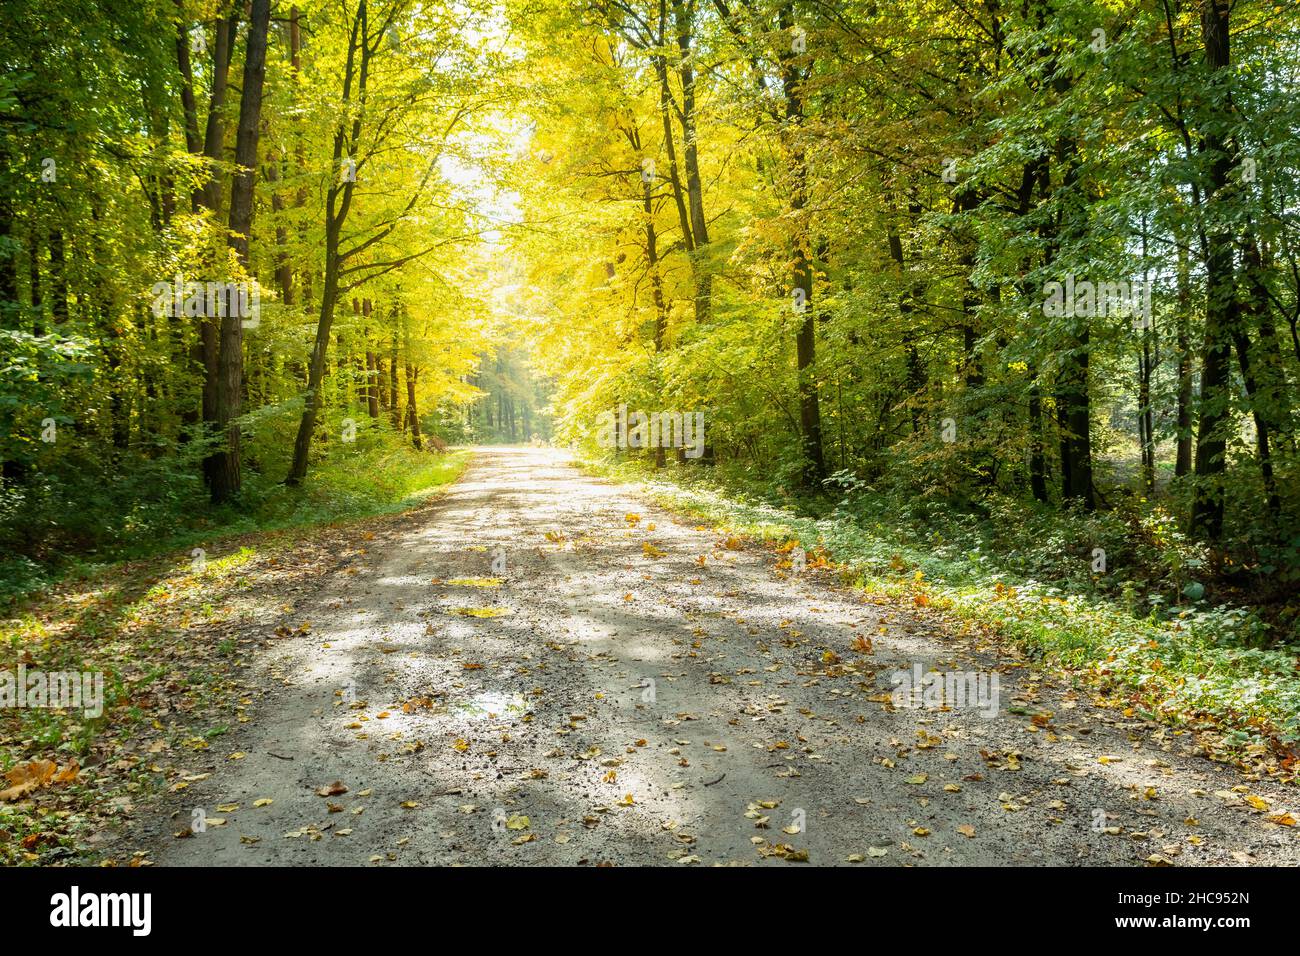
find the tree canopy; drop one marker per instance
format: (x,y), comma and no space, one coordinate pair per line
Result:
(1045,250)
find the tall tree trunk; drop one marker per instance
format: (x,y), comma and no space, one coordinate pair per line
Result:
(1183,454)
(207,196)
(372,371)
(394,409)
(338,203)
(316,367)
(915,367)
(1221,306)
(225,473)
(1074,399)
(810,419)
(1146,416)
(657,293)
(683,21)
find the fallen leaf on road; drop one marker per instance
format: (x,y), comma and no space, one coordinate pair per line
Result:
(481,611)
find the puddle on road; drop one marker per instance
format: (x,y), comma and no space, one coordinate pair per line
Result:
(488,705)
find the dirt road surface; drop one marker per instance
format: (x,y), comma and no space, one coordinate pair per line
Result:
(639,690)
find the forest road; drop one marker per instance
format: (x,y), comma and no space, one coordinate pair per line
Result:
(639,690)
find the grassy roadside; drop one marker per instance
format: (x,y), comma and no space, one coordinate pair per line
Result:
(1195,666)
(170,635)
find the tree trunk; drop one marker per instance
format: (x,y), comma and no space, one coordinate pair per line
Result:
(412,412)
(316,367)
(683,21)
(810,420)
(394,410)
(1076,420)
(1183,455)
(225,473)
(1221,306)
(338,202)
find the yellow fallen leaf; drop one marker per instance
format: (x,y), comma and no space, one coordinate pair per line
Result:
(26,777)
(481,611)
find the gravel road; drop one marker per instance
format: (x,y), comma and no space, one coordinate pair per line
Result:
(638,690)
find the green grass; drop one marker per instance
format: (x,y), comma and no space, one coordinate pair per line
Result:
(153,512)
(1131,633)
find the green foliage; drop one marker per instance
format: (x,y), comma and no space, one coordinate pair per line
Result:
(87,515)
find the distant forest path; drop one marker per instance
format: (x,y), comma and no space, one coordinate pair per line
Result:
(546,669)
